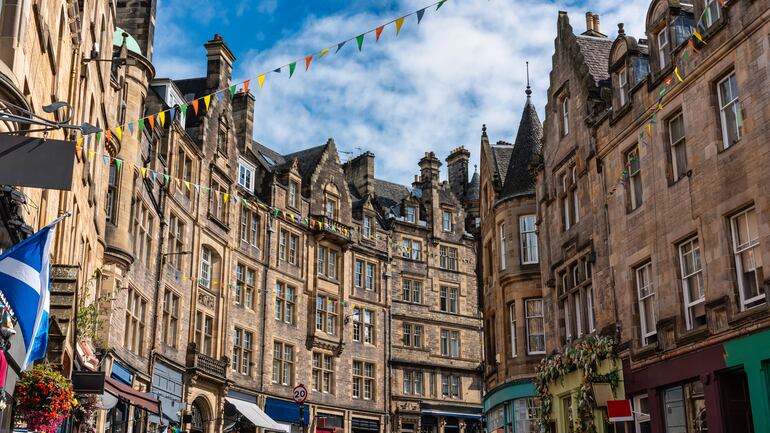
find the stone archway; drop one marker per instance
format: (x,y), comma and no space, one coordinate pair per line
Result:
(202,421)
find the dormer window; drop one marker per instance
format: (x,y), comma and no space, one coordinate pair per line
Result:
(622,80)
(411,214)
(664,48)
(564,116)
(292,194)
(246,175)
(711,12)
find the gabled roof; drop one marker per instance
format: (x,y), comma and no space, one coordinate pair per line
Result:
(307,159)
(596,52)
(519,179)
(269,158)
(389,194)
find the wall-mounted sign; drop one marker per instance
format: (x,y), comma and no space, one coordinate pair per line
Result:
(36,162)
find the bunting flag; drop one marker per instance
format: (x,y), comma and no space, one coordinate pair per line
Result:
(399,23)
(420,13)
(144,171)
(150,119)
(118,163)
(107,135)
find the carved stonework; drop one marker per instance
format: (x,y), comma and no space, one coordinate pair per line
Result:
(206,300)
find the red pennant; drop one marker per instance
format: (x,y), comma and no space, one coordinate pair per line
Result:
(152,121)
(308,59)
(195,105)
(246,86)
(378,32)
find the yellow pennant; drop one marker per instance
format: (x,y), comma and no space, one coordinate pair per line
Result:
(119,132)
(144,171)
(187,184)
(261,80)
(323,52)
(676,72)
(91,154)
(79,142)
(162,118)
(207,101)
(225,196)
(699,37)
(399,23)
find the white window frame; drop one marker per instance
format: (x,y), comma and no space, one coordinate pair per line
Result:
(529,250)
(446,221)
(565,116)
(574,195)
(733,104)
(639,416)
(512,324)
(750,244)
(710,18)
(529,316)
(205,267)
(367,227)
(410,214)
(645,289)
(623,86)
(689,304)
(246,173)
(663,46)
(292,194)
(634,178)
(503,246)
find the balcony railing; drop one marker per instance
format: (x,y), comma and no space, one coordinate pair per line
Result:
(324,224)
(207,364)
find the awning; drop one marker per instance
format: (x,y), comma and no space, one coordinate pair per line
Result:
(257,416)
(452,414)
(137,398)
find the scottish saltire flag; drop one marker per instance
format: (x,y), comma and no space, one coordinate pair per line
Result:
(24,281)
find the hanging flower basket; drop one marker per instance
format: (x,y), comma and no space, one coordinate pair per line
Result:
(44,399)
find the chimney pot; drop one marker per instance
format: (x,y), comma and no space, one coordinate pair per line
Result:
(597,27)
(589,21)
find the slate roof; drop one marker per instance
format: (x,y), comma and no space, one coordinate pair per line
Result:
(269,158)
(518,178)
(307,160)
(473,187)
(596,52)
(501,152)
(389,194)
(196,86)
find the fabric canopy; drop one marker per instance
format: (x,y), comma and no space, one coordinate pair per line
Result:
(137,398)
(257,416)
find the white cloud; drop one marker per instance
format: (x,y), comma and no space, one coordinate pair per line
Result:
(429,89)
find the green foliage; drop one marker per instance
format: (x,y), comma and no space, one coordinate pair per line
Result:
(89,317)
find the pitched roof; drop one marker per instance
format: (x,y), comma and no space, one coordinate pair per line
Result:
(269,158)
(519,179)
(501,152)
(389,194)
(473,187)
(196,86)
(307,160)
(596,52)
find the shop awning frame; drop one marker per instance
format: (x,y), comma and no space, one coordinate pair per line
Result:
(256,415)
(135,397)
(452,414)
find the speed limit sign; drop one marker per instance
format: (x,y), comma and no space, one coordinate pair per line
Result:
(300,393)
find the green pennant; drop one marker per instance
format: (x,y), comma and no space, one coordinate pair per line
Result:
(291,68)
(118,163)
(98,137)
(166,178)
(441,3)
(360,41)
(232,90)
(140,126)
(183,109)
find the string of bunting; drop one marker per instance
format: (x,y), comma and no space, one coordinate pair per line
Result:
(682,59)
(161,117)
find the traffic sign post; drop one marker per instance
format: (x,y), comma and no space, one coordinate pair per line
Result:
(300,395)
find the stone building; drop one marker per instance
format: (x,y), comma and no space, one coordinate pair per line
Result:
(652,216)
(514,333)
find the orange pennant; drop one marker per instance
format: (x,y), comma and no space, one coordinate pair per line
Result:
(108,134)
(195,105)
(152,121)
(308,59)
(246,86)
(378,32)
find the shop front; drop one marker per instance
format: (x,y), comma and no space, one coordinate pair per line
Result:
(166,387)
(450,418)
(127,409)
(288,414)
(244,416)
(363,425)
(329,423)
(512,408)
(751,355)
(695,392)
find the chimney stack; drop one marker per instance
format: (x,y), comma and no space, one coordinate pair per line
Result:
(589,21)
(360,172)
(596,27)
(219,68)
(457,164)
(430,167)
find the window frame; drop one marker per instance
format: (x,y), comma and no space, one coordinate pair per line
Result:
(282,365)
(664,48)
(635,199)
(734,104)
(246,174)
(528,316)
(564,116)
(446,221)
(285,303)
(448,257)
(643,274)
(327,319)
(503,245)
(528,248)
(689,304)
(679,168)
(512,328)
(414,286)
(243,350)
(738,251)
(623,87)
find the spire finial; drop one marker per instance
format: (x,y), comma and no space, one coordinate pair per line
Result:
(529,89)
(475,168)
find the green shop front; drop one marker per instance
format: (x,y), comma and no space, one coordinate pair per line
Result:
(751,354)
(512,407)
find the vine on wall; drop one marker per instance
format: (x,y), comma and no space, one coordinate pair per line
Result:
(583,356)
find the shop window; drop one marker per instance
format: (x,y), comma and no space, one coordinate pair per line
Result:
(641,407)
(527,415)
(684,408)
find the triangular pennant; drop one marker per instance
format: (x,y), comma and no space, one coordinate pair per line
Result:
(232,91)
(291,68)
(107,135)
(195,105)
(91,155)
(118,162)
(105,159)
(197,188)
(340,45)
(277,70)
(261,80)
(207,101)
(323,52)
(441,3)
(98,138)
(420,13)
(119,132)
(79,142)
(246,86)
(166,178)
(154,176)
(183,109)
(131,128)
(187,184)
(162,118)
(378,32)
(219,96)
(171,114)
(676,72)
(140,126)
(151,119)
(224,197)
(144,171)
(360,41)
(308,59)
(399,23)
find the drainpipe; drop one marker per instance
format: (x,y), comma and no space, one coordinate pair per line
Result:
(388,339)
(268,254)
(158,269)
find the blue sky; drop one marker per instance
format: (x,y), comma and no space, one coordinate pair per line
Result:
(430,88)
